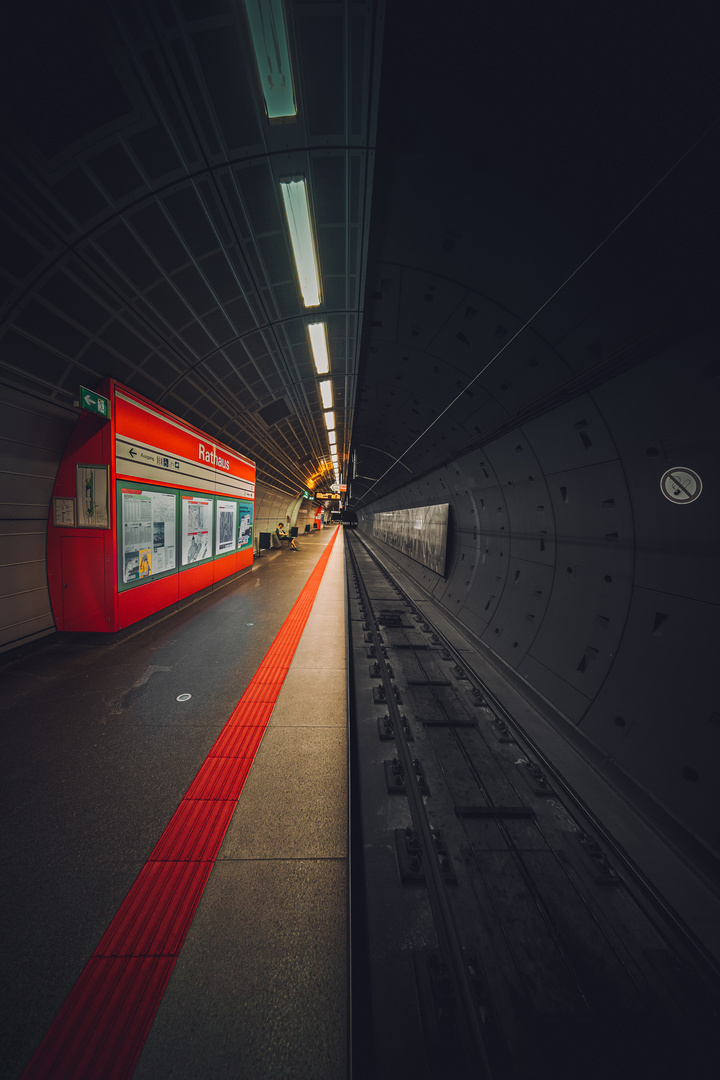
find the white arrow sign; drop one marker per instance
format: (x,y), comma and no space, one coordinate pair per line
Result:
(94,403)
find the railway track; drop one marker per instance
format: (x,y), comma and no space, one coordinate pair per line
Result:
(496,933)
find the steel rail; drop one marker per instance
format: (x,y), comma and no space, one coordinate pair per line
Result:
(446,930)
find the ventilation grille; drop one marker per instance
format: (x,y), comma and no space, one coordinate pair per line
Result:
(276,410)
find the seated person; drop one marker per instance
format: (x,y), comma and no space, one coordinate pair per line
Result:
(282,535)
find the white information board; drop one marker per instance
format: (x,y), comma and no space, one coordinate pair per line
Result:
(245,524)
(196,529)
(226,512)
(147,533)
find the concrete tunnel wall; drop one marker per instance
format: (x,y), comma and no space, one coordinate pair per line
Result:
(569,564)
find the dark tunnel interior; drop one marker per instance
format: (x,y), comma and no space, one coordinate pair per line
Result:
(517,223)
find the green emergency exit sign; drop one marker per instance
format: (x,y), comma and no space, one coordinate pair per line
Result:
(94,403)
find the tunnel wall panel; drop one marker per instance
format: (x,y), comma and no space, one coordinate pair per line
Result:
(585,619)
(578,435)
(515,619)
(35,433)
(676,546)
(572,703)
(654,713)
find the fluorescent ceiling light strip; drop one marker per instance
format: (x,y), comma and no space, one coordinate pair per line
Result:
(318,343)
(326,393)
(329,420)
(270,42)
(297,211)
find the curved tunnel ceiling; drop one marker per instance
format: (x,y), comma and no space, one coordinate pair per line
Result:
(145,236)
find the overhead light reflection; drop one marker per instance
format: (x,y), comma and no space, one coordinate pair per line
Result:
(326,393)
(318,344)
(272,55)
(297,211)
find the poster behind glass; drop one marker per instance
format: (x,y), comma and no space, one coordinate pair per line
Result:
(245,525)
(196,529)
(148,533)
(226,511)
(92,496)
(63,511)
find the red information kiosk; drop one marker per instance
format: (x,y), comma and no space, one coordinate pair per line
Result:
(146,511)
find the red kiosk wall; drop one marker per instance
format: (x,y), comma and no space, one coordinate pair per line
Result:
(232,563)
(223,568)
(194,578)
(83,562)
(83,574)
(138,603)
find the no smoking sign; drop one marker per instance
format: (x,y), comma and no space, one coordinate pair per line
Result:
(681,485)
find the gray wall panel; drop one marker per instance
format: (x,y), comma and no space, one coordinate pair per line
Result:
(569,701)
(34,435)
(578,435)
(659,689)
(519,612)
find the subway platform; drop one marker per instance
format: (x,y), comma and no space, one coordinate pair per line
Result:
(246,974)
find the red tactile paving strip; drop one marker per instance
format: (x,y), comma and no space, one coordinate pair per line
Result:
(100,1031)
